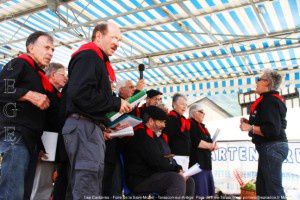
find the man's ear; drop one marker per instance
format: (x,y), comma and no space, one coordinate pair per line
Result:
(30,48)
(98,35)
(52,74)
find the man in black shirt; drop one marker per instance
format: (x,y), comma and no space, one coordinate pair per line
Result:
(43,184)
(88,97)
(112,178)
(154,98)
(148,169)
(23,101)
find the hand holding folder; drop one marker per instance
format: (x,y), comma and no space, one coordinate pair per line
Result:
(122,132)
(134,101)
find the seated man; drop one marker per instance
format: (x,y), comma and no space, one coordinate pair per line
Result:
(147,169)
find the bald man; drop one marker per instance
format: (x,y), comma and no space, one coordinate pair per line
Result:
(88,97)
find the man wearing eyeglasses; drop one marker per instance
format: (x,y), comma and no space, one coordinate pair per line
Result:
(43,185)
(154,98)
(148,170)
(89,97)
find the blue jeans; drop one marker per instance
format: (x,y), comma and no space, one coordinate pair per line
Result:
(14,167)
(269,173)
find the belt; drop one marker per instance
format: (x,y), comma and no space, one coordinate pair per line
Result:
(78,116)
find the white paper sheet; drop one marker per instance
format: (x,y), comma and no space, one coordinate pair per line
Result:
(214,138)
(126,120)
(122,133)
(195,169)
(49,140)
(183,161)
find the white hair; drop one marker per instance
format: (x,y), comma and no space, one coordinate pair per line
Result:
(121,84)
(273,77)
(194,108)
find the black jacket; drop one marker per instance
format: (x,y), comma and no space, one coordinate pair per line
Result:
(88,91)
(177,129)
(53,122)
(269,115)
(144,156)
(198,132)
(29,119)
(138,111)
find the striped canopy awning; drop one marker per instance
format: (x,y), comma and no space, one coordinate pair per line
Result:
(198,47)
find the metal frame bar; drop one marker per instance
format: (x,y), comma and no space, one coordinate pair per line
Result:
(29,11)
(220,79)
(213,45)
(249,52)
(202,13)
(262,23)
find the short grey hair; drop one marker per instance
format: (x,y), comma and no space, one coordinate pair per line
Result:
(53,67)
(121,84)
(194,108)
(177,96)
(273,77)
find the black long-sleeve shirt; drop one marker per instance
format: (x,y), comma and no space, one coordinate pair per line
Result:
(269,115)
(144,156)
(53,122)
(178,134)
(88,91)
(199,132)
(29,119)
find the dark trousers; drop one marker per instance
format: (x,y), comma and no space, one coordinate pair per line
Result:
(269,173)
(169,184)
(112,177)
(63,168)
(204,184)
(112,180)
(61,182)
(85,148)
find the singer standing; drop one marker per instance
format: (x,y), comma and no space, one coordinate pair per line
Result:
(88,98)
(23,99)
(266,126)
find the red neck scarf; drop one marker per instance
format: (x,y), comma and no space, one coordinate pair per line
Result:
(201,127)
(258,100)
(185,123)
(44,79)
(92,46)
(165,138)
(138,110)
(149,132)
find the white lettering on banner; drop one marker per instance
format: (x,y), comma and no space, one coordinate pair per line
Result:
(297,155)
(249,154)
(243,156)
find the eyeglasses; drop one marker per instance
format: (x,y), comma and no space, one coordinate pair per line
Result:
(201,111)
(261,79)
(60,73)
